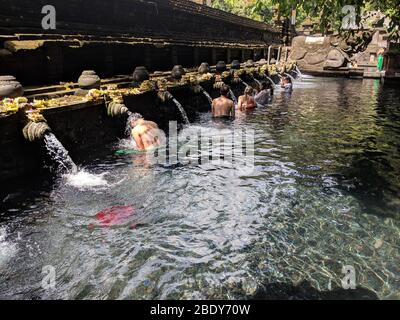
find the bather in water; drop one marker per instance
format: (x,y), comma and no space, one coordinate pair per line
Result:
(223,107)
(146,134)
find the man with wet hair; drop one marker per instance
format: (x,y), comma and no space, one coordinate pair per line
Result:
(287,84)
(223,107)
(146,134)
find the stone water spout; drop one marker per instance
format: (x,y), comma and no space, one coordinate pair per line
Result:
(194,84)
(116,108)
(36,128)
(10,87)
(249,63)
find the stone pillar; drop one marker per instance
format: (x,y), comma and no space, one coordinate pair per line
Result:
(228,56)
(196,56)
(214,56)
(278,58)
(243,55)
(147,57)
(109,61)
(174,53)
(55,63)
(269,54)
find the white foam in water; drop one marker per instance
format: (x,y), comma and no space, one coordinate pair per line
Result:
(7,249)
(84,180)
(127,144)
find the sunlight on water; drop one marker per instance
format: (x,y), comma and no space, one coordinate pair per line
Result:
(323,193)
(84,180)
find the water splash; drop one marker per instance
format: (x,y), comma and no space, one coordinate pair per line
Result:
(182,111)
(59,154)
(84,180)
(79,179)
(233,96)
(128,127)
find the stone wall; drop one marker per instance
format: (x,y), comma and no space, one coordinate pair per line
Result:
(333,53)
(113,37)
(18,158)
(316,53)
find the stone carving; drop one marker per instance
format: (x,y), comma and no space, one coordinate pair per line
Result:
(35,131)
(89,80)
(221,66)
(249,63)
(335,59)
(298,54)
(10,87)
(262,62)
(204,68)
(141,74)
(178,72)
(116,108)
(316,58)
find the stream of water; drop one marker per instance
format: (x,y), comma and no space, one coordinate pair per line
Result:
(210,100)
(233,96)
(182,111)
(59,154)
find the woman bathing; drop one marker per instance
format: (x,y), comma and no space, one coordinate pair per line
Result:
(247,101)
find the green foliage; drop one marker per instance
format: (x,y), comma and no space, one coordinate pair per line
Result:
(260,10)
(328,12)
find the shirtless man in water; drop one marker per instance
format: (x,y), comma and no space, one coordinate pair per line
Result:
(223,107)
(146,134)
